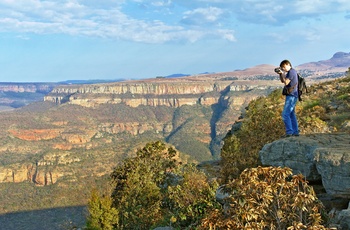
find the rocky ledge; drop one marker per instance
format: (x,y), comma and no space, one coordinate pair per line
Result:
(324,159)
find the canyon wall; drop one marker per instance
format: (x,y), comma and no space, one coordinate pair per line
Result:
(193,114)
(172,93)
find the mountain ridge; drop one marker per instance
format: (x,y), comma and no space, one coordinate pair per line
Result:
(338,61)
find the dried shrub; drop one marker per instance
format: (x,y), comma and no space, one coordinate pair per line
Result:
(268,198)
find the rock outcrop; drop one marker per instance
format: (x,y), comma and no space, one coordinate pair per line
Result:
(28,172)
(319,157)
(35,134)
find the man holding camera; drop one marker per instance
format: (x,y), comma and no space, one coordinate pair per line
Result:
(289,77)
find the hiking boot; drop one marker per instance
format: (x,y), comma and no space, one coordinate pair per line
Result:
(296,134)
(286,135)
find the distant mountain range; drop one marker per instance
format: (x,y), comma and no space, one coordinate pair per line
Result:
(339,60)
(337,64)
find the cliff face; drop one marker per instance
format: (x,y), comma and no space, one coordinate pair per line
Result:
(224,95)
(15,95)
(173,94)
(30,173)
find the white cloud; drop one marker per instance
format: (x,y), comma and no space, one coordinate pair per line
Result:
(74,18)
(203,15)
(190,20)
(274,12)
(278,37)
(161,3)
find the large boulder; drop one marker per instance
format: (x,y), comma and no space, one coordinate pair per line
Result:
(324,157)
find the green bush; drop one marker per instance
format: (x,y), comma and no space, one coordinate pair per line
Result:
(191,199)
(139,186)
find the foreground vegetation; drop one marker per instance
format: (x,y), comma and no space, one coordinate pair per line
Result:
(155,189)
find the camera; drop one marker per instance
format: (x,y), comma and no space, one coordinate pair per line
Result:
(278,70)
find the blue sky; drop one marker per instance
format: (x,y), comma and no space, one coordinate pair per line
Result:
(50,41)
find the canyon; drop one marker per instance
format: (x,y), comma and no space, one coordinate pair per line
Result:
(78,118)
(71,136)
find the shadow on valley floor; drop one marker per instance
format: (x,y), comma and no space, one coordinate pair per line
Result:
(67,218)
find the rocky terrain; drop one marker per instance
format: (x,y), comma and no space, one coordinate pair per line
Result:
(319,157)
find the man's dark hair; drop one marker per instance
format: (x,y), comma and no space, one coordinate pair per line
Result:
(285,62)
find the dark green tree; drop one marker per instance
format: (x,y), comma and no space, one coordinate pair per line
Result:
(140,185)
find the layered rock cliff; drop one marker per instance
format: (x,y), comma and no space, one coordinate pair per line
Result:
(228,98)
(157,93)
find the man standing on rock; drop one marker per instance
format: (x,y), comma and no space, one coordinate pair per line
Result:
(289,78)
